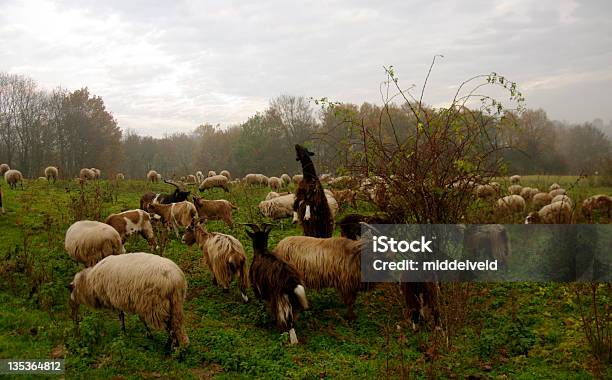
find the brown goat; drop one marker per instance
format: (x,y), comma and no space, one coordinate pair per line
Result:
(175,215)
(215,209)
(131,222)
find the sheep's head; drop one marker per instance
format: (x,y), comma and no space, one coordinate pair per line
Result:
(532,218)
(302,153)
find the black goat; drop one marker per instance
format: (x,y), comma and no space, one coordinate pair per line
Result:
(276,282)
(180,194)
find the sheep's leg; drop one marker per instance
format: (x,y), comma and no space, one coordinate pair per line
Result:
(122,319)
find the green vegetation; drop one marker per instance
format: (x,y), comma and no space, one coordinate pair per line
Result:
(519,330)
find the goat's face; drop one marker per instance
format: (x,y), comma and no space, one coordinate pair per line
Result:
(532,218)
(302,153)
(180,196)
(189,235)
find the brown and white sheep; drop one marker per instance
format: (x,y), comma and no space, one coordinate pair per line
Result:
(276,282)
(130,222)
(89,241)
(175,215)
(326,263)
(152,287)
(215,181)
(554,213)
(597,204)
(224,255)
(219,209)
(13,177)
(51,172)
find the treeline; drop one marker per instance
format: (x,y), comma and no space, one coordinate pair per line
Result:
(74,130)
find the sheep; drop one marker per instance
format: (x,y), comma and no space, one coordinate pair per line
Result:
(175,215)
(515,189)
(86,174)
(226,174)
(275,183)
(515,179)
(326,263)
(199,176)
(130,222)
(276,282)
(119,177)
(346,196)
(600,203)
(211,173)
(325,178)
(278,207)
(152,176)
(555,192)
(311,204)
(12,177)
(297,178)
(528,193)
(215,181)
(51,172)
(554,186)
(554,213)
(485,191)
(342,182)
(180,194)
(540,200)
(286,179)
(4,168)
(274,194)
(159,177)
(510,204)
(562,198)
(42,179)
(1,206)
(150,286)
(89,241)
(251,179)
(215,209)
(97,173)
(223,254)
(263,180)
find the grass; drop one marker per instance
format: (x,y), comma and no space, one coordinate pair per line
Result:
(519,330)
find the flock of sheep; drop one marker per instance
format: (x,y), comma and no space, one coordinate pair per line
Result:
(154,287)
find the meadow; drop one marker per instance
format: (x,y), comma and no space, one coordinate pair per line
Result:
(518,330)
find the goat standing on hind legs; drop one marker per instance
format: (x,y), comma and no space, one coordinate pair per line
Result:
(310,207)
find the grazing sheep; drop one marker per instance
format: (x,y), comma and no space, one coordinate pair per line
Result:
(97,173)
(191,179)
(223,254)
(215,209)
(180,194)
(326,263)
(119,177)
(226,174)
(130,222)
(276,282)
(555,192)
(152,287)
(4,168)
(528,193)
(51,172)
(346,196)
(510,204)
(597,204)
(485,191)
(274,194)
(12,177)
(263,180)
(212,173)
(278,207)
(562,198)
(175,215)
(285,178)
(199,176)
(275,183)
(515,179)
(86,174)
(297,179)
(159,177)
(1,206)
(152,176)
(88,242)
(515,189)
(215,181)
(251,179)
(311,204)
(540,200)
(554,186)
(554,213)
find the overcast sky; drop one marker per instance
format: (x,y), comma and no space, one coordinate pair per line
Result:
(169,67)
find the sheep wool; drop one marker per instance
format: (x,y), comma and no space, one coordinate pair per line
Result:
(88,242)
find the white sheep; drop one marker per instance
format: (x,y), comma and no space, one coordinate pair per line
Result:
(555,192)
(88,242)
(515,179)
(554,186)
(152,287)
(263,180)
(485,191)
(562,198)
(285,178)
(277,207)
(212,173)
(226,174)
(152,176)
(515,189)
(215,181)
(87,174)
(120,177)
(251,179)
(510,204)
(4,168)
(51,172)
(275,183)
(297,178)
(13,177)
(97,173)
(199,176)
(554,213)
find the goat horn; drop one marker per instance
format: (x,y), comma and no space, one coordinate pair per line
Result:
(178,185)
